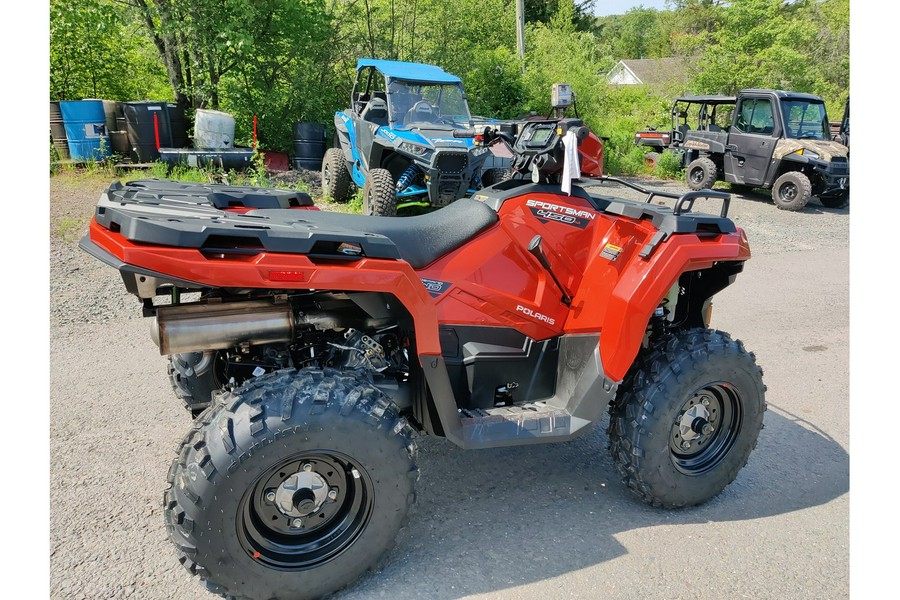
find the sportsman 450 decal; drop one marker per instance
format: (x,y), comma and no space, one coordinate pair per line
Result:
(548,211)
(434,287)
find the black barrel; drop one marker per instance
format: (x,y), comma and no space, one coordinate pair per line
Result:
(178,125)
(309,145)
(118,141)
(58,132)
(111,109)
(139,126)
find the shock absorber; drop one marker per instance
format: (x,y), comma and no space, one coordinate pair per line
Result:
(407,178)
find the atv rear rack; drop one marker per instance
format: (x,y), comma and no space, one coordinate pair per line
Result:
(680,199)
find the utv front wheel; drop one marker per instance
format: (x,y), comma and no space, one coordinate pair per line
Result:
(686,418)
(336,182)
(701,174)
(291,486)
(379,195)
(791,191)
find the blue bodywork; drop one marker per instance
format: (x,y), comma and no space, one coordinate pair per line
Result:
(428,164)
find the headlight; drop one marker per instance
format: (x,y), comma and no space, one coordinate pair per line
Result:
(807,153)
(414,149)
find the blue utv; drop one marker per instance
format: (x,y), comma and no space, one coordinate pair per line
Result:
(396,140)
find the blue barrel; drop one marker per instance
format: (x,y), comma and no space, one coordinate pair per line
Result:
(85,123)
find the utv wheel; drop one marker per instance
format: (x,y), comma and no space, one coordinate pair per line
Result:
(195,376)
(292,486)
(650,160)
(336,182)
(494,176)
(701,174)
(686,418)
(839,201)
(791,191)
(379,196)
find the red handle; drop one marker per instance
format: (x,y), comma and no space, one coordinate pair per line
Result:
(156,129)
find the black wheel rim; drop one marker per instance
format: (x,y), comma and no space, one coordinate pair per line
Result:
(277,540)
(697,175)
(695,451)
(788,191)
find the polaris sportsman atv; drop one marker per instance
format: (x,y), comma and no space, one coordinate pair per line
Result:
(396,142)
(329,342)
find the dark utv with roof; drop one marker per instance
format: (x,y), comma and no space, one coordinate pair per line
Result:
(759,138)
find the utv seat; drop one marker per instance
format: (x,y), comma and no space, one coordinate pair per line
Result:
(419,240)
(376,111)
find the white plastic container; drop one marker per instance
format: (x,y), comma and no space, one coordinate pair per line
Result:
(213,129)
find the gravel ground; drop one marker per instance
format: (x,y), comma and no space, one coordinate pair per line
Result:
(540,522)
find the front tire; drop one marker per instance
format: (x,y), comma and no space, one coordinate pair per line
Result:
(291,486)
(791,191)
(336,181)
(701,174)
(379,196)
(686,418)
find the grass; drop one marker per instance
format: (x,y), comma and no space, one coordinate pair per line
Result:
(68,229)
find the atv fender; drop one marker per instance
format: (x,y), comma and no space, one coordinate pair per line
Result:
(618,297)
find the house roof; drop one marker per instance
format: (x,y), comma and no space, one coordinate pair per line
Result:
(408,71)
(654,71)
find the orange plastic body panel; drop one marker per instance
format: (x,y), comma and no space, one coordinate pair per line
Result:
(591,150)
(492,280)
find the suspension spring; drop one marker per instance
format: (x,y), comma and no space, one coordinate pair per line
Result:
(407,178)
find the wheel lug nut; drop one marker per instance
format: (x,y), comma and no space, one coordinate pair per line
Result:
(307,467)
(296,523)
(332,494)
(270,496)
(705,402)
(685,445)
(708,429)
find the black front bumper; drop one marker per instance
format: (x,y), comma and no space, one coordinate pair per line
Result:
(450,175)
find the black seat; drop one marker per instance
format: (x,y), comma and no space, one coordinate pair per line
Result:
(376,111)
(420,240)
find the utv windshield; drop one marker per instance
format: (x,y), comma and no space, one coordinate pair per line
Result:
(415,104)
(805,120)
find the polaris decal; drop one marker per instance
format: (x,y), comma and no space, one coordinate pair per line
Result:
(547,211)
(435,288)
(535,315)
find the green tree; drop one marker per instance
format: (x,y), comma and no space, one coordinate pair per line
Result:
(94,52)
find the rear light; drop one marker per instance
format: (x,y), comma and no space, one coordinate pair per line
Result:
(286,276)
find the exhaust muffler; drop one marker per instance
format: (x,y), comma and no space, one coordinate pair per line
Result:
(180,329)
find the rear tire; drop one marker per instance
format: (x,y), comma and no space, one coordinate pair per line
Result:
(792,191)
(195,376)
(701,174)
(336,181)
(379,196)
(651,159)
(690,375)
(292,486)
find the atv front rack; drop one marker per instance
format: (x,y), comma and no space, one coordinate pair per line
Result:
(680,199)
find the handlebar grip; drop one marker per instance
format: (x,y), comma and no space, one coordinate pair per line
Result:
(464,133)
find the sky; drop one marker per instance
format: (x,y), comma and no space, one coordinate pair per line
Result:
(603,8)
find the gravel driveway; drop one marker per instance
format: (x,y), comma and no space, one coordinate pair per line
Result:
(538,522)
